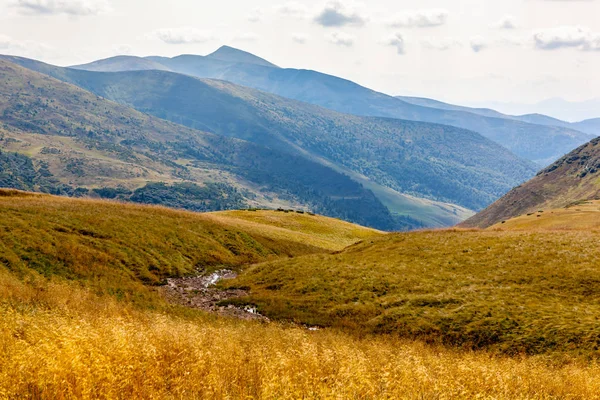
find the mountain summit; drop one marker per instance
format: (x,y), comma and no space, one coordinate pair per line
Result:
(230,54)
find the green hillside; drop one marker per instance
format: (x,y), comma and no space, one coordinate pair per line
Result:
(88,144)
(125,250)
(436,162)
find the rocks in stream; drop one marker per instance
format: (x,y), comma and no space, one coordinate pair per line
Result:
(199,292)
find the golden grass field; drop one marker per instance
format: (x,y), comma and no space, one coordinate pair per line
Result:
(583,215)
(80,317)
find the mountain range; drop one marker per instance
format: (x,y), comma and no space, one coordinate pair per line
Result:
(539,143)
(70,141)
(102,129)
(556,107)
(589,126)
(424,174)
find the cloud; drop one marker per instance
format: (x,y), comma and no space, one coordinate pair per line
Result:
(184,35)
(300,38)
(26,48)
(396,40)
(440,44)
(576,37)
(255,16)
(292,9)
(507,22)
(341,39)
(57,7)
(247,37)
(478,43)
(336,13)
(123,50)
(420,19)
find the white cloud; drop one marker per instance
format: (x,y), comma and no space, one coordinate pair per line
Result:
(27,48)
(420,19)
(300,38)
(56,7)
(182,35)
(247,37)
(478,43)
(396,40)
(577,37)
(440,43)
(337,13)
(507,22)
(341,39)
(123,49)
(292,9)
(255,16)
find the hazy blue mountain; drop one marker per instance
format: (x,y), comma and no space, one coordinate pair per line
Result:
(425,102)
(561,109)
(229,54)
(541,144)
(589,125)
(438,162)
(121,63)
(56,137)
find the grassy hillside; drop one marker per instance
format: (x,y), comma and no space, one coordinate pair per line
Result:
(86,142)
(511,292)
(538,143)
(79,319)
(437,162)
(573,178)
(580,215)
(120,249)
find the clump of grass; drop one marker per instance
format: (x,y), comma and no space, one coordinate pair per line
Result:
(511,292)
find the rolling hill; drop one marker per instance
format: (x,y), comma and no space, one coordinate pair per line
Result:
(514,292)
(541,144)
(571,179)
(435,162)
(74,142)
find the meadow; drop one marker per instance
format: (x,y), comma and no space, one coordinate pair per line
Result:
(82,316)
(59,341)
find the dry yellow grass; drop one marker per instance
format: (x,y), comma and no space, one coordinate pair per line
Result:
(315,230)
(61,342)
(584,215)
(68,339)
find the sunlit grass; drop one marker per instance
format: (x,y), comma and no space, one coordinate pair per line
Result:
(60,342)
(513,292)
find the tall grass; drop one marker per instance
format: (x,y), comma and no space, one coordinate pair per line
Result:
(62,342)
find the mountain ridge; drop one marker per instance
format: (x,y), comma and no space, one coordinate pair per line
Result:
(348,97)
(351,141)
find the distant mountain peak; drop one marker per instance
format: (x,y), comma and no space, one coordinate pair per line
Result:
(231,54)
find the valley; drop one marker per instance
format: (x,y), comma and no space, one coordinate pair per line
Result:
(180,222)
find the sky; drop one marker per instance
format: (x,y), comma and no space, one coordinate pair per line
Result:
(462,51)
